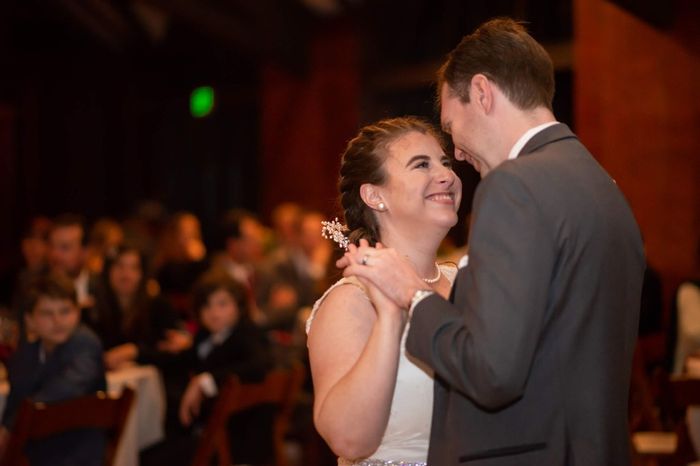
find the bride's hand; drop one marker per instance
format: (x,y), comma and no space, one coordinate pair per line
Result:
(386,268)
(384,307)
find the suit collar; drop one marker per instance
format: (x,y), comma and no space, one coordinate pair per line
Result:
(546,136)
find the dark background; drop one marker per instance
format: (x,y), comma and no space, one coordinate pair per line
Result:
(97,92)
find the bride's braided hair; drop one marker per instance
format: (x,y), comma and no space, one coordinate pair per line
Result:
(363,162)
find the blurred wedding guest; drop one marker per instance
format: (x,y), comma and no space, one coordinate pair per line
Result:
(286,218)
(684,323)
(228,343)
(181,260)
(67,242)
(292,278)
(9,337)
(687,324)
(34,246)
(132,323)
(64,362)
(34,249)
(105,235)
(242,239)
(144,227)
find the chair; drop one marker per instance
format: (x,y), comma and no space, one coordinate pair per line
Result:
(37,420)
(672,448)
(683,393)
(281,388)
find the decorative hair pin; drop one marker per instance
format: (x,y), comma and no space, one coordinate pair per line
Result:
(334,231)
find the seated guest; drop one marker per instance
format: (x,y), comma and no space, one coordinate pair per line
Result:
(105,236)
(130,321)
(181,261)
(227,344)
(684,337)
(242,238)
(34,248)
(683,333)
(67,250)
(292,277)
(64,362)
(34,251)
(286,218)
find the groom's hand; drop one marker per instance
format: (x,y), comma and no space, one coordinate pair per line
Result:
(385,268)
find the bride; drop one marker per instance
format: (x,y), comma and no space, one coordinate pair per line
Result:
(373,401)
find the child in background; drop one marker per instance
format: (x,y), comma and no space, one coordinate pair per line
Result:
(63,362)
(228,343)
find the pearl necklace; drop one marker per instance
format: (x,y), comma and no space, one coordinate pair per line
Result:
(436,277)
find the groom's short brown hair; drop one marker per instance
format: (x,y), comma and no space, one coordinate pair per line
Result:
(503,51)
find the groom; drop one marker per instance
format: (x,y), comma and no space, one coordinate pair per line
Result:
(532,354)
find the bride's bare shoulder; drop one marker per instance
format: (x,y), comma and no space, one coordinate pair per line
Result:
(344,305)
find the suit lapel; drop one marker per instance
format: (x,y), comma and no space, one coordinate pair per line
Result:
(547,136)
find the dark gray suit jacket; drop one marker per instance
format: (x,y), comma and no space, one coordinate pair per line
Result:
(533,351)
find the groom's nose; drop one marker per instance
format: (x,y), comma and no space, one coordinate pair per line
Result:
(461,155)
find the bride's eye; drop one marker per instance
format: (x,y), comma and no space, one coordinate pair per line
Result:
(423,164)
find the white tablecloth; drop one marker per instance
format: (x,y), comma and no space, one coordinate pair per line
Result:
(144,426)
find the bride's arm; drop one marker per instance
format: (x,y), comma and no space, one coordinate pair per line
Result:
(354,358)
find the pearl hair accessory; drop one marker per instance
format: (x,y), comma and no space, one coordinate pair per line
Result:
(334,230)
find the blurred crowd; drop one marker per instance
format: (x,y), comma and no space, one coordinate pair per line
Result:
(154,292)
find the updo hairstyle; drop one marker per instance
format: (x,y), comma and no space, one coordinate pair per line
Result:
(363,162)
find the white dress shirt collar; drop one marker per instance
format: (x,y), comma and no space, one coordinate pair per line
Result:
(520,143)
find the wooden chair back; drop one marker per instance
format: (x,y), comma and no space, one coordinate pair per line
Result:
(683,392)
(281,388)
(36,421)
(677,394)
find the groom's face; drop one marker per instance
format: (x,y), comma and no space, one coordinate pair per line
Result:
(465,125)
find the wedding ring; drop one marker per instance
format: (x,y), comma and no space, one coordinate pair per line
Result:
(365,258)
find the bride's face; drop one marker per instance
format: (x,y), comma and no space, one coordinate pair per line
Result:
(421,188)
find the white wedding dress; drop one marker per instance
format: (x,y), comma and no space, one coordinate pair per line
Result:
(405,440)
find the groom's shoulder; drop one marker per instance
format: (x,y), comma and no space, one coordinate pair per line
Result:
(515,171)
(533,175)
(505,180)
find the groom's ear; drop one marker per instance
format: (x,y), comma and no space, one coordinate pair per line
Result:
(481,92)
(371,196)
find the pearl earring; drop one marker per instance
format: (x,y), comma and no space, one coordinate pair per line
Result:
(381,206)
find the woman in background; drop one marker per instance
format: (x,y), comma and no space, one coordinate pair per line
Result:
(131,322)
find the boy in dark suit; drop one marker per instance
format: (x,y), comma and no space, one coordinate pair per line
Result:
(64,361)
(228,343)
